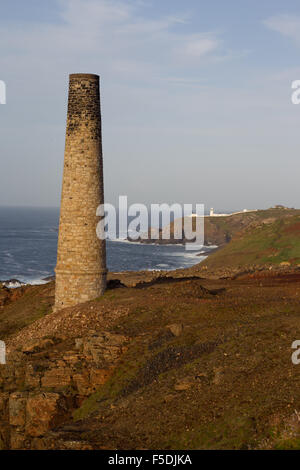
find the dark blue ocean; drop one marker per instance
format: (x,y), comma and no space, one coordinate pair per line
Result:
(28,243)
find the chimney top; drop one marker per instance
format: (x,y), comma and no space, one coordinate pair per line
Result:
(84,75)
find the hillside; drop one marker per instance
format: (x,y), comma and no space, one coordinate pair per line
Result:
(164,362)
(196,358)
(220,230)
(265,241)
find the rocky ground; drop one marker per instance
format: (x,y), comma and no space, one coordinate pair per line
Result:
(191,359)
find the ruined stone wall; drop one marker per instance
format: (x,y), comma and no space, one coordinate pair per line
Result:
(42,385)
(81,260)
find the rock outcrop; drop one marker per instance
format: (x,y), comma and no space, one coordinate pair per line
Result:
(41,385)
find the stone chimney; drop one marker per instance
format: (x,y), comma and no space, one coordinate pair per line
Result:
(81,257)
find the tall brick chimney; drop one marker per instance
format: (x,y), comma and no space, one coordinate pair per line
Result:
(81,256)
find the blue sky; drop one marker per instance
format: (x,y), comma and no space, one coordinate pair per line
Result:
(195,98)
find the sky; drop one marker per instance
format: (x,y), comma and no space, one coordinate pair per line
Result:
(195,97)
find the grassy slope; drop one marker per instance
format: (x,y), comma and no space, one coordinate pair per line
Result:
(33,303)
(268,240)
(226,382)
(220,230)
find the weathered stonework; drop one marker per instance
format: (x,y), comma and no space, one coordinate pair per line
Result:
(81,257)
(40,387)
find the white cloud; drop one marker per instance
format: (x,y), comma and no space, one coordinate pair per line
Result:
(197,47)
(160,100)
(112,34)
(287,25)
(91,12)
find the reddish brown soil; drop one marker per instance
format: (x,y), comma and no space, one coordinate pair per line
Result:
(224,380)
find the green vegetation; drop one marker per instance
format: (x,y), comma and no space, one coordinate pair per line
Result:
(266,242)
(25,307)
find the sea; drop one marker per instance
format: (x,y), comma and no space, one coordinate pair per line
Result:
(28,244)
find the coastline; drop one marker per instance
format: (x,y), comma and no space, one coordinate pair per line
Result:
(161,268)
